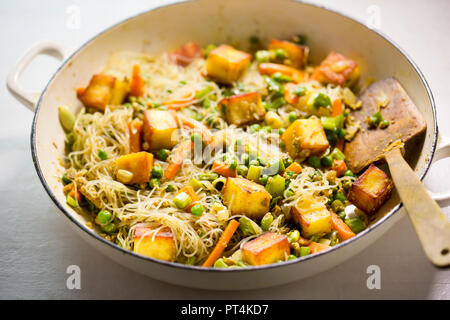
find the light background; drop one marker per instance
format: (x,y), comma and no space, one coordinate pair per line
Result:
(37,244)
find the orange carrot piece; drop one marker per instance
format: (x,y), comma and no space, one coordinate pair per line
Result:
(316,247)
(343,230)
(340,144)
(191,193)
(339,166)
(180,153)
(294,167)
(196,126)
(271,68)
(180,103)
(222,243)
(135,128)
(80,91)
(76,194)
(289,95)
(137,82)
(223,169)
(337,108)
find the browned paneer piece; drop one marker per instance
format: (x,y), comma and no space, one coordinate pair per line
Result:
(337,69)
(312,215)
(160,246)
(296,55)
(371,190)
(187,53)
(246,197)
(160,129)
(305,137)
(134,168)
(226,64)
(266,249)
(104,90)
(243,108)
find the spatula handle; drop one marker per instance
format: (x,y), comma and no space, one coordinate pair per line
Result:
(431,225)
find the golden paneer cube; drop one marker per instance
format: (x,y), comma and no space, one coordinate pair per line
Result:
(296,55)
(99,92)
(120,92)
(243,108)
(246,197)
(337,69)
(160,246)
(370,190)
(312,215)
(160,129)
(139,165)
(266,249)
(226,64)
(305,137)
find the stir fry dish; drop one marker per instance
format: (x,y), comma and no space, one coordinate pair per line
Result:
(221,157)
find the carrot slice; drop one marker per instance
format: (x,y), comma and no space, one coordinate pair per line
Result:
(222,243)
(339,166)
(289,95)
(316,247)
(337,108)
(135,128)
(178,104)
(180,153)
(191,193)
(223,169)
(137,82)
(196,126)
(80,91)
(76,194)
(294,167)
(271,68)
(343,230)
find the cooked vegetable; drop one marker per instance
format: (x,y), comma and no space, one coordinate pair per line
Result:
(138,164)
(276,186)
(343,230)
(225,64)
(223,169)
(182,200)
(267,248)
(245,197)
(222,243)
(355,224)
(66,117)
(243,108)
(317,247)
(337,69)
(249,227)
(272,69)
(371,190)
(160,246)
(137,82)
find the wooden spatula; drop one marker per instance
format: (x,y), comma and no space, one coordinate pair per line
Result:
(370,145)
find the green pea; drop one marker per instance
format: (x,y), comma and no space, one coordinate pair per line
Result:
(276,186)
(305,251)
(280,54)
(262,56)
(291,257)
(340,196)
(154,183)
(326,161)
(289,193)
(314,162)
(264,180)
(300,91)
(64,179)
(321,100)
(356,224)
(102,154)
(337,206)
(242,170)
(170,188)
(197,210)
(292,117)
(266,221)
(163,154)
(220,264)
(281,131)
(104,217)
(293,236)
(233,164)
(254,128)
(384,124)
(182,200)
(267,129)
(109,228)
(349,173)
(157,172)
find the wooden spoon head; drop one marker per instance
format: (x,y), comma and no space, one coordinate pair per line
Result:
(406,122)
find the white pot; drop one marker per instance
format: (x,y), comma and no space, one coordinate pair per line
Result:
(216,21)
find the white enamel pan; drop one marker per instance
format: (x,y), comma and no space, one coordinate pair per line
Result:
(217,21)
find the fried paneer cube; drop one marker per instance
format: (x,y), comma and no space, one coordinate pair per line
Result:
(305,137)
(312,215)
(296,55)
(246,197)
(120,92)
(160,129)
(243,108)
(337,69)
(226,64)
(371,190)
(159,246)
(187,53)
(266,249)
(99,92)
(134,168)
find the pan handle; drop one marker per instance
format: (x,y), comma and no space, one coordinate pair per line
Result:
(442,152)
(29,99)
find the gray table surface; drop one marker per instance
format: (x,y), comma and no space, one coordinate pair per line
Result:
(37,244)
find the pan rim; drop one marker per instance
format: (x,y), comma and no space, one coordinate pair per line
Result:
(387,216)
